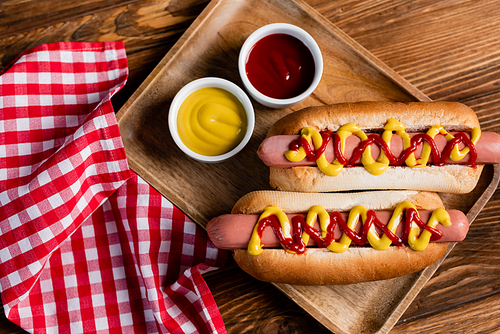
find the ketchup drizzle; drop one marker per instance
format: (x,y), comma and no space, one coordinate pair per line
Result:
(438,158)
(412,216)
(299,226)
(295,243)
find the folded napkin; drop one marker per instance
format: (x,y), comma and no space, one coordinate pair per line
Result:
(86,245)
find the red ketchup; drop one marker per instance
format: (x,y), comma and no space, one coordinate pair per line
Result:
(438,158)
(280,66)
(299,225)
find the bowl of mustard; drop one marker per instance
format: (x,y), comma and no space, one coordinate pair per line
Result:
(211,119)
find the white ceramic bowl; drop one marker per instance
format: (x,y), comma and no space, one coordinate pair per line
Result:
(280,28)
(216,83)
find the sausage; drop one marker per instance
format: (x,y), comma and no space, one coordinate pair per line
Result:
(233,231)
(271,151)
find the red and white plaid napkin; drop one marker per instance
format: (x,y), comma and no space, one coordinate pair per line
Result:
(87,246)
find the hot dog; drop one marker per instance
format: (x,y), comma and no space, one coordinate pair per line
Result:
(456,148)
(371,239)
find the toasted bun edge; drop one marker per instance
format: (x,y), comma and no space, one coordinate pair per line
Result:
(322,267)
(372,115)
(296,202)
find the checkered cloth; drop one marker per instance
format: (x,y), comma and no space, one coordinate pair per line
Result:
(87,246)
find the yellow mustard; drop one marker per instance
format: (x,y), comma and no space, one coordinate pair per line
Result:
(211,121)
(379,166)
(416,240)
(255,246)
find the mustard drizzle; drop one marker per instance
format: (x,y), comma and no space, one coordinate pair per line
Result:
(379,166)
(416,240)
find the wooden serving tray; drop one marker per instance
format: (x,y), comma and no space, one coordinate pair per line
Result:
(210,47)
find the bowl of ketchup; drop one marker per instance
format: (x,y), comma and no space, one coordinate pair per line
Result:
(280,65)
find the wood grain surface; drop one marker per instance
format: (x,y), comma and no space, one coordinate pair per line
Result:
(448,49)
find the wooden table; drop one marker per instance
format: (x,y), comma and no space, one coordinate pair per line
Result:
(448,49)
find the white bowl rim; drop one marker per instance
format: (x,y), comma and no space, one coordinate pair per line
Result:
(205,83)
(294,31)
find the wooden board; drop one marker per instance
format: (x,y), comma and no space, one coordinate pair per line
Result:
(210,48)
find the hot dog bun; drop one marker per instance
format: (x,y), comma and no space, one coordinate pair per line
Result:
(318,266)
(293,202)
(417,116)
(369,117)
(450,179)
